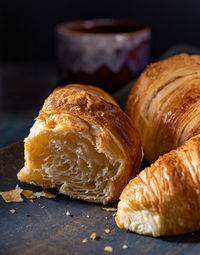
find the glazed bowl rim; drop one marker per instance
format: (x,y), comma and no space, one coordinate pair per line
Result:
(66,28)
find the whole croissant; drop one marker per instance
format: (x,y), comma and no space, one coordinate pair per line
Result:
(83,144)
(164,104)
(164,199)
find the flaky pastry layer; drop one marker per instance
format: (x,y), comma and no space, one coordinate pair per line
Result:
(164,104)
(83,144)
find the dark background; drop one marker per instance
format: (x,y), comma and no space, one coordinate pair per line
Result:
(28,26)
(28,70)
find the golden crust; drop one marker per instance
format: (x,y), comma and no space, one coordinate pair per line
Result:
(93,105)
(163,104)
(77,107)
(168,191)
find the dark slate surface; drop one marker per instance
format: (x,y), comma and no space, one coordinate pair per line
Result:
(36,230)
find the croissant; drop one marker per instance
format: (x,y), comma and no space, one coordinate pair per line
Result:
(164,199)
(164,104)
(83,144)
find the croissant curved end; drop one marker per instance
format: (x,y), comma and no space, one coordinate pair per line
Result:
(164,199)
(142,222)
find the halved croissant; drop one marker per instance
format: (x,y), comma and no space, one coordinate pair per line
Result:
(164,104)
(83,144)
(164,199)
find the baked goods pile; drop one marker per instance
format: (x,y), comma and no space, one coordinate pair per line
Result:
(83,144)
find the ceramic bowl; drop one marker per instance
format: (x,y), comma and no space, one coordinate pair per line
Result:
(104,52)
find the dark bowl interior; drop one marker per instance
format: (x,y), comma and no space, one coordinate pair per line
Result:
(102,27)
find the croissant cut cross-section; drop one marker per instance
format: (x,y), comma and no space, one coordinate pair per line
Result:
(72,160)
(80,145)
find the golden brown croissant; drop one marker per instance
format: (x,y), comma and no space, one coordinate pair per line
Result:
(164,104)
(164,199)
(83,144)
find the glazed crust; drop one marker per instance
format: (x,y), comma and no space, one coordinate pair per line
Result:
(95,106)
(163,104)
(81,108)
(164,199)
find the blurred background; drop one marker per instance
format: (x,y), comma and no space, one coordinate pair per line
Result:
(28,46)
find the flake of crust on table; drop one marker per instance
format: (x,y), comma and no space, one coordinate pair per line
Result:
(109,209)
(125,246)
(68,213)
(108,248)
(107,230)
(12,195)
(93,236)
(28,194)
(84,240)
(44,193)
(12,211)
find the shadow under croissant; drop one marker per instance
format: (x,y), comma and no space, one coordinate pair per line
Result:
(144,164)
(182,238)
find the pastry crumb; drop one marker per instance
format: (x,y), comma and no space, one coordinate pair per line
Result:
(93,236)
(28,194)
(125,246)
(114,214)
(109,209)
(12,211)
(107,230)
(42,206)
(68,213)
(108,248)
(87,216)
(44,193)
(12,195)
(15,195)
(84,240)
